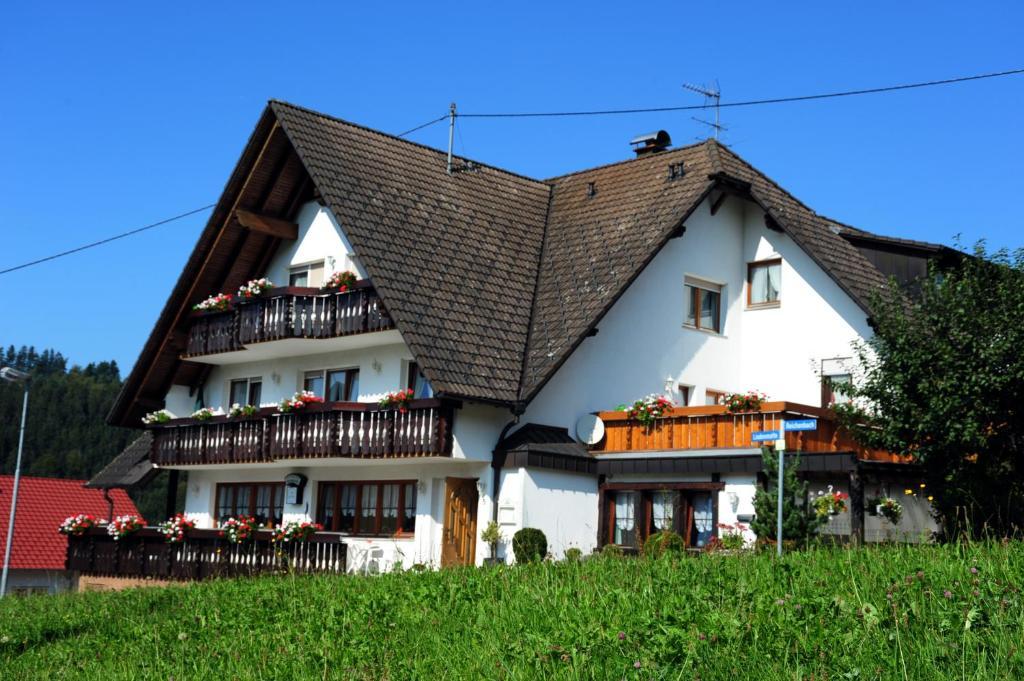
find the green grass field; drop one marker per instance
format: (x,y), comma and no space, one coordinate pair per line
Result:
(937,612)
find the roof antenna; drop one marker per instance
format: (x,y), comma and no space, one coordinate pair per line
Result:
(714,94)
(451,134)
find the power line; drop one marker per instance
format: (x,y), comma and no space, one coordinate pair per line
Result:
(162,222)
(752,102)
(107,240)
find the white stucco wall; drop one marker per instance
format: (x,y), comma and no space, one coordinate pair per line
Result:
(642,344)
(563,506)
(321,240)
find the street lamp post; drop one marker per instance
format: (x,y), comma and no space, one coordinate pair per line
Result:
(14,376)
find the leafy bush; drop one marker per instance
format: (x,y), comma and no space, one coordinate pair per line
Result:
(529,544)
(660,543)
(573,555)
(611,550)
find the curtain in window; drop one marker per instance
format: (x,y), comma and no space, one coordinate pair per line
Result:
(702,518)
(625,519)
(662,507)
(764,283)
(709,310)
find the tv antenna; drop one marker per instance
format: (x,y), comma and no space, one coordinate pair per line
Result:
(713,95)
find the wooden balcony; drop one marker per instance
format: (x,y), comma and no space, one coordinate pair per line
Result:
(285,313)
(203,555)
(317,431)
(715,427)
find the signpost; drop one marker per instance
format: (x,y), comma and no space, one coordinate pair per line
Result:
(780,446)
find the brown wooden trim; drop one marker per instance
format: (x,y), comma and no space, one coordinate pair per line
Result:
(378,511)
(275,489)
(713,409)
(265,224)
(697,485)
(717,203)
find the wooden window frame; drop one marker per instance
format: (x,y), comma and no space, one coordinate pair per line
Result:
(276,488)
(412,371)
(682,518)
(720,394)
(349,372)
(695,286)
(751,266)
(378,511)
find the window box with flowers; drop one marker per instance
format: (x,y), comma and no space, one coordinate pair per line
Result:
(293,531)
(239,530)
(242,411)
(299,400)
(398,400)
(77,525)
(175,529)
(647,410)
(124,526)
(155,418)
(254,288)
(204,414)
(749,401)
(217,303)
(340,281)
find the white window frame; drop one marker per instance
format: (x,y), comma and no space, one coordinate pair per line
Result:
(249,380)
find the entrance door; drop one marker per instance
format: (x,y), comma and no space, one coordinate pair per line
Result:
(458,545)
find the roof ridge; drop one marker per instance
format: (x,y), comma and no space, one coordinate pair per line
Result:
(43,477)
(767,178)
(685,147)
(388,135)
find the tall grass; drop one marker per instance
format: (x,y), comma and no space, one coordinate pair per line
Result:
(935,612)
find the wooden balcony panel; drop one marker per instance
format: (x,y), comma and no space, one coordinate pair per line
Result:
(714,427)
(289,312)
(203,555)
(337,429)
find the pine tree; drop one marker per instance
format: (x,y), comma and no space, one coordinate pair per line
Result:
(799,521)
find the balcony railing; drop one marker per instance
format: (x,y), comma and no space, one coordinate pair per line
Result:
(204,554)
(290,312)
(715,427)
(333,429)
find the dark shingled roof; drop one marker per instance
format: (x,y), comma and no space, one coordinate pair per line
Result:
(130,468)
(538,438)
(493,278)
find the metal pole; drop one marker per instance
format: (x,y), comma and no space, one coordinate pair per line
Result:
(451,134)
(14,496)
(778,528)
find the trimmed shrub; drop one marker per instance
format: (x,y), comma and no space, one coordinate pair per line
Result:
(529,544)
(611,551)
(573,555)
(660,543)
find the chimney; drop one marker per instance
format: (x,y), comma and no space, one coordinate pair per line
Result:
(651,143)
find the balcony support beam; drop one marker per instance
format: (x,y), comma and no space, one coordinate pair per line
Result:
(264,224)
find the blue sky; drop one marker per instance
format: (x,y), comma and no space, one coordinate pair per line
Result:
(116,115)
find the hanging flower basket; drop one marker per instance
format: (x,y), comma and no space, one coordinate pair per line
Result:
(648,409)
(398,400)
(77,525)
(255,288)
(341,281)
(744,402)
(890,509)
(125,525)
(217,303)
(175,529)
(830,503)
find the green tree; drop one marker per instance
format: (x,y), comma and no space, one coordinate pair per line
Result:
(799,521)
(943,381)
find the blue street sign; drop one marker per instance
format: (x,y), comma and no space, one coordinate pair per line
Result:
(765,435)
(802,424)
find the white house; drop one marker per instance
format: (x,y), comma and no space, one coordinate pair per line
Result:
(515,310)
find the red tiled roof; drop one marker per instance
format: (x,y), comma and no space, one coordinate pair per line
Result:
(43,504)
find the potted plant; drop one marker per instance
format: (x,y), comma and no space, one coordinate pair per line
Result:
(175,529)
(77,525)
(398,400)
(255,288)
(648,409)
(125,525)
(217,303)
(203,414)
(492,536)
(341,281)
(156,417)
(744,402)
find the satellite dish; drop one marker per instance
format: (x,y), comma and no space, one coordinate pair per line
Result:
(590,429)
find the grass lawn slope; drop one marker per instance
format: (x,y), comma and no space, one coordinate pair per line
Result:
(936,612)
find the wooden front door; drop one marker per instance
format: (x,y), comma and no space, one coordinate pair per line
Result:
(458,543)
